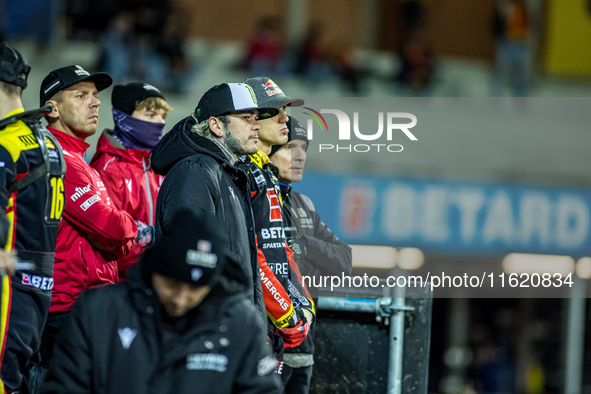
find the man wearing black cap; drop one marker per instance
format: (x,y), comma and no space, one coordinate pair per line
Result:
(31,204)
(317,251)
(198,157)
(178,324)
(94,233)
(289,325)
(122,158)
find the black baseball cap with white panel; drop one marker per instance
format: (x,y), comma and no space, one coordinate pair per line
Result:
(230,97)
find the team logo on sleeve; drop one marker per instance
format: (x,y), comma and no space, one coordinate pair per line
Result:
(39,282)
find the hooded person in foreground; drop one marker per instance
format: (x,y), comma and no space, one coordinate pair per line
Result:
(179,324)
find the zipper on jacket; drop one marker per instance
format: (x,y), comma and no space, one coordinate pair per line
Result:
(148,191)
(107,163)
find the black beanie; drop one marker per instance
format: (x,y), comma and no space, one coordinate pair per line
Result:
(192,250)
(125,97)
(296,132)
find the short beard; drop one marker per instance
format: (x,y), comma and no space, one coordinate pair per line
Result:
(234,145)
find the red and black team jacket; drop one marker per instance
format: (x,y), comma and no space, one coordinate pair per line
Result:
(283,293)
(32,191)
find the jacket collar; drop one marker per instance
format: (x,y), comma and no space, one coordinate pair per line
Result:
(180,143)
(14,112)
(108,144)
(69,143)
(259,158)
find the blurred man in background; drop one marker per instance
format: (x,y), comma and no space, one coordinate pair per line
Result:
(316,249)
(31,205)
(122,158)
(511,30)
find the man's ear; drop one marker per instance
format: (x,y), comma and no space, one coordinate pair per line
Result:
(55,113)
(216,127)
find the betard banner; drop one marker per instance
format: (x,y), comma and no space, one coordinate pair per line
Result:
(453,217)
(457,175)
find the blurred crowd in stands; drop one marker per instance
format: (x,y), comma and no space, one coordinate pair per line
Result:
(139,40)
(148,39)
(315,57)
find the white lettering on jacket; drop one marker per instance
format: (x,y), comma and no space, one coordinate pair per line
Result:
(207,361)
(80,191)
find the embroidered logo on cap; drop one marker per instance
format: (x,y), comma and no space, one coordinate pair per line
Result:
(254,96)
(196,274)
(80,71)
(271,88)
(147,86)
(202,256)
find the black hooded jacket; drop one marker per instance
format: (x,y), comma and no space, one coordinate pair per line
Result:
(113,342)
(199,176)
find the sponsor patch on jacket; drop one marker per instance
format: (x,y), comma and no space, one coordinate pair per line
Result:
(207,362)
(127,335)
(80,191)
(88,203)
(40,282)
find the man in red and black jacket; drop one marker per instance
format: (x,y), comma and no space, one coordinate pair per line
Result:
(93,233)
(289,308)
(317,251)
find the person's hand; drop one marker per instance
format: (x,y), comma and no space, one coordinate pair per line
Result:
(145,233)
(7,262)
(298,247)
(294,336)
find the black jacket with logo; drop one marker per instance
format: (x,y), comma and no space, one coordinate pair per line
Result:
(113,343)
(199,176)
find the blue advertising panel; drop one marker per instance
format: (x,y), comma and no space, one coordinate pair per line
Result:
(453,217)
